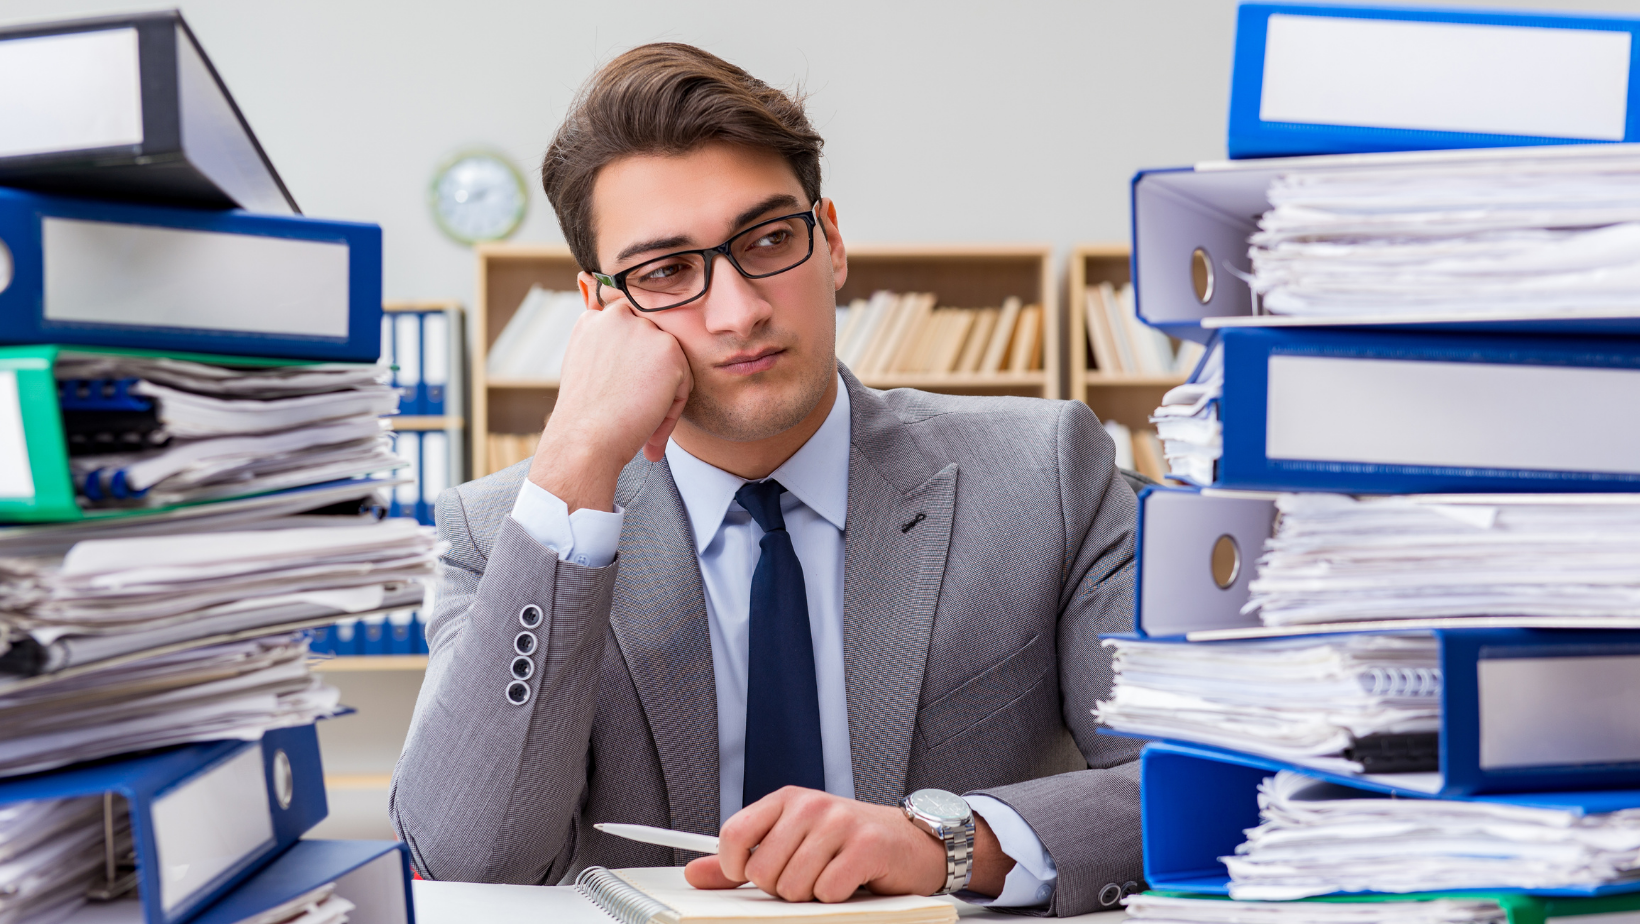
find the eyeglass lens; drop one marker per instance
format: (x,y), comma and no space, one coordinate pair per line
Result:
(769,248)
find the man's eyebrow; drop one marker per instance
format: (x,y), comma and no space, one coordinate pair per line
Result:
(665,243)
(776,201)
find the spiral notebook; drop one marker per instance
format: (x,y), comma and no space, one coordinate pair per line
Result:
(661,896)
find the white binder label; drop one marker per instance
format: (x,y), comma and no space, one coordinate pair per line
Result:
(75,92)
(1537,712)
(141,276)
(16,476)
(1455,77)
(1466,415)
(207,825)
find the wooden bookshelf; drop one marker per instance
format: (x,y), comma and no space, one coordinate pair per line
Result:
(965,276)
(960,275)
(351,663)
(1128,399)
(505,274)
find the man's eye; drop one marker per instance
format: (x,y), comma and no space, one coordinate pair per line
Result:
(773,238)
(662,273)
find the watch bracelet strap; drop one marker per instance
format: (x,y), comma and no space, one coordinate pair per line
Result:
(959,858)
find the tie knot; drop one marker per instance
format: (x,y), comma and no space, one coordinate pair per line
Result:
(762,500)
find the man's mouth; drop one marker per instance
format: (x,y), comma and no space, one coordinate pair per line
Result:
(751,361)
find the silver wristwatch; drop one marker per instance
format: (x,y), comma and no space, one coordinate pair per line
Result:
(948,818)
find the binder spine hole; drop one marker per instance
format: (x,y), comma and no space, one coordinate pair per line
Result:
(1225,561)
(1201,274)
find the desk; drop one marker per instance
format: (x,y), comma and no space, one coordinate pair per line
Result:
(461,902)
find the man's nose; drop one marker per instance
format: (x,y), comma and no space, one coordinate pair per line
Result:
(733,304)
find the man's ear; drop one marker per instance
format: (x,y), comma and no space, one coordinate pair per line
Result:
(834,242)
(589,291)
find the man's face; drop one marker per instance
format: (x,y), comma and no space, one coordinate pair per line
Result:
(762,351)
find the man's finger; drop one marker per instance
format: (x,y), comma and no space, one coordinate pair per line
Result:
(745,830)
(707,873)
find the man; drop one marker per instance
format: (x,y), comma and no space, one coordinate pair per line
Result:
(736,592)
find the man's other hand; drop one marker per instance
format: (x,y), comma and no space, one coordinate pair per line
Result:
(816,846)
(624,384)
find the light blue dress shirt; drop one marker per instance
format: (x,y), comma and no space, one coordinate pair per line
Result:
(815,506)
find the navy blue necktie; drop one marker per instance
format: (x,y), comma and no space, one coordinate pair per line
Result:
(782,700)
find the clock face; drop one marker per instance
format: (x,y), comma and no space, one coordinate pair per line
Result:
(478,197)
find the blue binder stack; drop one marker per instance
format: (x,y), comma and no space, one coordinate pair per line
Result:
(1367,584)
(193,471)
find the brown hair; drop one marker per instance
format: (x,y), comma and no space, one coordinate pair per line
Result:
(667,98)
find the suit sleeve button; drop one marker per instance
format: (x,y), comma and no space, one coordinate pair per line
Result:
(524,668)
(518,692)
(1110,894)
(524,643)
(530,616)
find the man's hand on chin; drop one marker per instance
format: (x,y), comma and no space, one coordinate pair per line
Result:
(816,846)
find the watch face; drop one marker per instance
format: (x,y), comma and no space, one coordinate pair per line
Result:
(478,197)
(940,804)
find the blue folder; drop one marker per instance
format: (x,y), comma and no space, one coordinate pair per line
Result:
(1190,219)
(1181,588)
(152,277)
(1526,710)
(261,795)
(373,875)
(1445,79)
(1196,802)
(1307,409)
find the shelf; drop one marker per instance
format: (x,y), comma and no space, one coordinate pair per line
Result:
(358,780)
(521,383)
(1095,380)
(422,422)
(938,381)
(371,663)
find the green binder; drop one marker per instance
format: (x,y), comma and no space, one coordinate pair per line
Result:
(1520,908)
(36,484)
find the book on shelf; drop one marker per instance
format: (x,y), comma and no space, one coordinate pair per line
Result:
(910,333)
(1122,344)
(532,345)
(507,449)
(1137,450)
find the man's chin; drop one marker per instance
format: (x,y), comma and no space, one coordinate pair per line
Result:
(748,410)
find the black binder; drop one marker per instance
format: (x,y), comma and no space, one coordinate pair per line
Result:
(186,144)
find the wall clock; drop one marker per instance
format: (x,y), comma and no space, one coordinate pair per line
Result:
(478,196)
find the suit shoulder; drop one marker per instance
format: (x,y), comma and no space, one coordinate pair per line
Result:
(1002,413)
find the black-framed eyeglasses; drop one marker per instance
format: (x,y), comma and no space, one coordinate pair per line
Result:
(765,249)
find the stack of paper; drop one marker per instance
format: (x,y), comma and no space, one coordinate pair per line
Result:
(153,432)
(1165,909)
(1317,837)
(1188,424)
(231,690)
(1308,701)
(51,852)
(533,343)
(1338,559)
(115,596)
(1494,237)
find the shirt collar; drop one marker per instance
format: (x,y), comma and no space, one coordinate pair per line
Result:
(817,475)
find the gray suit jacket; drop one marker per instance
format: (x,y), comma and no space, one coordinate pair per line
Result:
(988,543)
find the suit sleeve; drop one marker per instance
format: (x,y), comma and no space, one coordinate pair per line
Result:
(495,765)
(1088,820)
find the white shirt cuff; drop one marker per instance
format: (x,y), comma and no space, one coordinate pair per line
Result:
(1031,881)
(586,537)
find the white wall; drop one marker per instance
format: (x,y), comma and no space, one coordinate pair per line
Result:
(945,121)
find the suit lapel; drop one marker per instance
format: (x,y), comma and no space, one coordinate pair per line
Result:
(658,614)
(894,547)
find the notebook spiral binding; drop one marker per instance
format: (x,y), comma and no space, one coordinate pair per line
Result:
(620,899)
(1401,681)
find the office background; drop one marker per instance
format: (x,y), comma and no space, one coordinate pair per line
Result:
(960,120)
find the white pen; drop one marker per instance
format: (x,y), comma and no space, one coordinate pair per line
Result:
(700,843)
